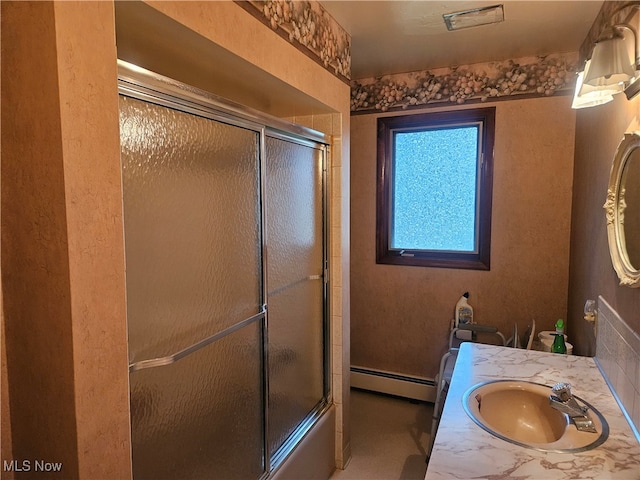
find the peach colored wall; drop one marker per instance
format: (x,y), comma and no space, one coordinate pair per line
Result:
(93,196)
(62,247)
(246,37)
(401,315)
(598,132)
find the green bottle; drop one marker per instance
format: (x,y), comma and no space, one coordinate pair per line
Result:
(558,344)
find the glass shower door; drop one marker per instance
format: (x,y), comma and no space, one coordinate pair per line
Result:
(194,294)
(296,286)
(225,245)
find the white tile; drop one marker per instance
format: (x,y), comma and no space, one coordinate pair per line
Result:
(618,352)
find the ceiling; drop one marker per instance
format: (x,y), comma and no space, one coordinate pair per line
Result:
(403,36)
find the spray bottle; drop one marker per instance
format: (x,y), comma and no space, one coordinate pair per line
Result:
(463,316)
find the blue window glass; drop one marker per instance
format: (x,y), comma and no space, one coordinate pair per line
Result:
(434,199)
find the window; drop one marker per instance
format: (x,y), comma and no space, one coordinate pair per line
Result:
(434,189)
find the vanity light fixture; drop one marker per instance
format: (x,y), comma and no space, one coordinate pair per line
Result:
(613,67)
(587,96)
(613,60)
(474,17)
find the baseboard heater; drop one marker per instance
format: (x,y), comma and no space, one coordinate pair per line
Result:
(408,386)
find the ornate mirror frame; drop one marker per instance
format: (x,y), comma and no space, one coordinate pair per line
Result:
(615,206)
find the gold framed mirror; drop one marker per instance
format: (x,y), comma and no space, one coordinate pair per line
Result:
(623,211)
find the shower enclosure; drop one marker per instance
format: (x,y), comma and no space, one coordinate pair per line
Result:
(226,272)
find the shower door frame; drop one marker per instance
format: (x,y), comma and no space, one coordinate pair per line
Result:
(141,84)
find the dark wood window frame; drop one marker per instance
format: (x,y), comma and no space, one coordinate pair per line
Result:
(387,127)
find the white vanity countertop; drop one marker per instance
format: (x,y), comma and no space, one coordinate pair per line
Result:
(463,450)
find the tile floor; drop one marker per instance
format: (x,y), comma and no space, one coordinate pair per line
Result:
(389,438)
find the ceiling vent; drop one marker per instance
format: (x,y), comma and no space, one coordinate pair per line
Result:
(474,17)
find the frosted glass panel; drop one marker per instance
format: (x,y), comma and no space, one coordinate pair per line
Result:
(296,365)
(295,283)
(193,244)
(294,212)
(201,418)
(192,227)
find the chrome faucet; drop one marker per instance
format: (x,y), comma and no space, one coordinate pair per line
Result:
(561,399)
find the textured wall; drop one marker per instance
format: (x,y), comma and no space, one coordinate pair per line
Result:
(62,252)
(307,26)
(401,315)
(93,200)
(598,132)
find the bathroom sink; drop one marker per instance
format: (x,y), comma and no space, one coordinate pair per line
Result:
(519,412)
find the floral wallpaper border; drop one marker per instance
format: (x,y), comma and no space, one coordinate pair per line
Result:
(611,13)
(530,76)
(307,26)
